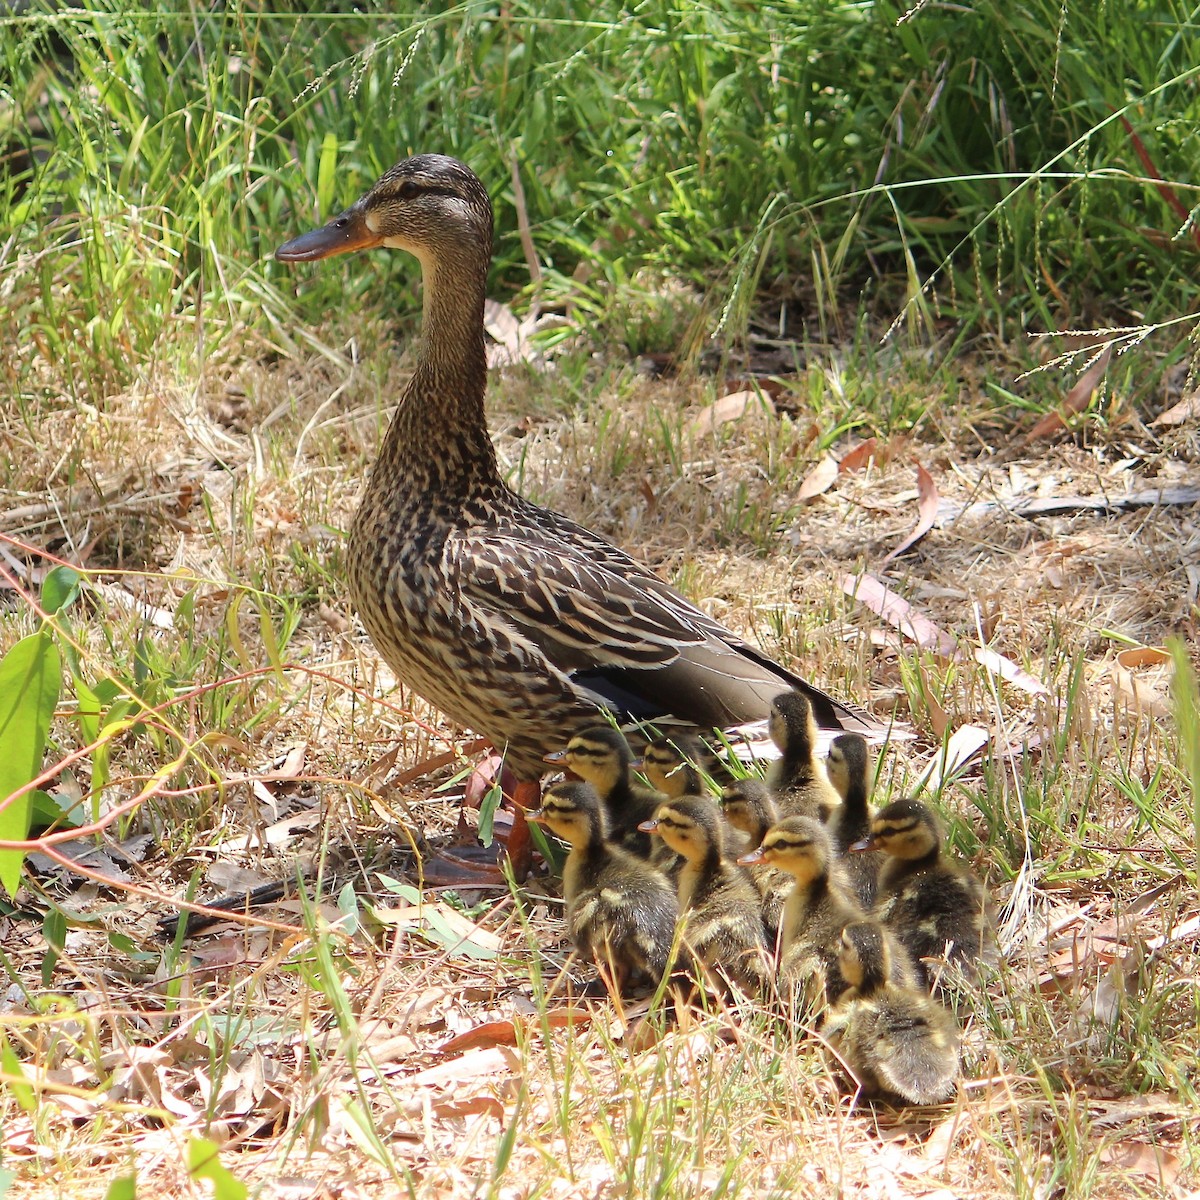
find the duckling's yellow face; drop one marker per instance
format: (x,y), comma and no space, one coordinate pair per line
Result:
(568,814)
(798,845)
(747,806)
(665,768)
(599,755)
(905,829)
(678,830)
(736,811)
(428,205)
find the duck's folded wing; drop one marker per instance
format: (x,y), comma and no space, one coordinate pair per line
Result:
(576,610)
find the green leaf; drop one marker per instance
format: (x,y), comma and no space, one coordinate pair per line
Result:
(30,675)
(59,589)
(203,1163)
(327,172)
(122,1188)
(87,708)
(487,813)
(11,1065)
(49,809)
(54,930)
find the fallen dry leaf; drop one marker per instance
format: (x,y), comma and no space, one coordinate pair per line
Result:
(1141,1158)
(504,1033)
(820,479)
(1077,399)
(927,511)
(1188,409)
(1143,656)
(729,408)
(964,745)
(496,1060)
(861,456)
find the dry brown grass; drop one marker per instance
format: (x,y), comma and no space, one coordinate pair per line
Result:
(314,1052)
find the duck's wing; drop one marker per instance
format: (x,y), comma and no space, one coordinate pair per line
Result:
(625,637)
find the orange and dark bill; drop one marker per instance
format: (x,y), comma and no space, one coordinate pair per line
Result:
(342,235)
(867,843)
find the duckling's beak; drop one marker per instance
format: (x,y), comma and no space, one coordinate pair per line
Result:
(536,817)
(754,856)
(555,757)
(649,826)
(868,843)
(345,233)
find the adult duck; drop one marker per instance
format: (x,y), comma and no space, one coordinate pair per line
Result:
(511,619)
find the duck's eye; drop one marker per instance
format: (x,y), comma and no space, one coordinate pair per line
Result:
(409,190)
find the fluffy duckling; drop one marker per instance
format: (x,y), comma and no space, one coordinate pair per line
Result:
(601,756)
(898,1041)
(819,906)
(672,765)
(749,807)
(848,766)
(936,908)
(800,784)
(621,912)
(717,899)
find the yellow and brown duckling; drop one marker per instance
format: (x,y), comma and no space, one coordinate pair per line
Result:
(621,911)
(801,786)
(818,907)
(718,901)
(848,766)
(935,907)
(898,1041)
(601,756)
(749,807)
(672,765)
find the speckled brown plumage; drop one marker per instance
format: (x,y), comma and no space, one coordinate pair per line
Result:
(510,618)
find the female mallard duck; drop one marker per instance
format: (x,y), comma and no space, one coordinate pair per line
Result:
(936,908)
(672,765)
(601,756)
(508,617)
(621,912)
(801,787)
(820,905)
(898,1041)
(717,900)
(749,808)
(848,765)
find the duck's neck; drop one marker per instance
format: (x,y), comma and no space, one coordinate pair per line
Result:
(438,437)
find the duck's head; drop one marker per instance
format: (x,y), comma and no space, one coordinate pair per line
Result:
(431,205)
(791,724)
(848,763)
(904,829)
(748,806)
(690,825)
(600,755)
(863,955)
(571,811)
(799,846)
(671,765)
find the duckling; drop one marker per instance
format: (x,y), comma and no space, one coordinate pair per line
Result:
(749,808)
(717,899)
(819,906)
(898,1041)
(601,756)
(936,908)
(621,912)
(672,765)
(800,784)
(848,766)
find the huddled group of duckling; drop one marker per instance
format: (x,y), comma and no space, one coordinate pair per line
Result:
(860,918)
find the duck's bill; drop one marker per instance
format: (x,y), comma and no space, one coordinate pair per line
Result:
(649,826)
(343,235)
(867,843)
(555,757)
(754,856)
(536,817)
